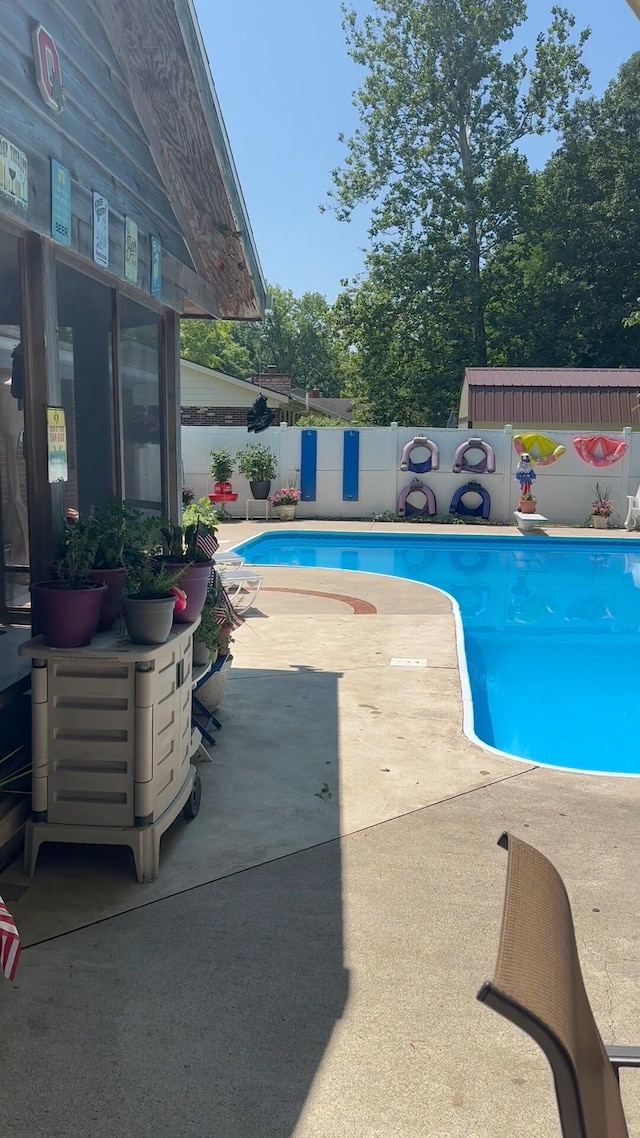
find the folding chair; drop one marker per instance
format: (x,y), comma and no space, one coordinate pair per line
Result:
(538,986)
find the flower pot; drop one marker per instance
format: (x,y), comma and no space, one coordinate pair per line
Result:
(148,621)
(195,582)
(527,507)
(67,618)
(260,490)
(222,488)
(212,691)
(115,580)
(598,521)
(286,513)
(201,654)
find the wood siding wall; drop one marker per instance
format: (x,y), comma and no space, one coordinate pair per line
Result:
(98,136)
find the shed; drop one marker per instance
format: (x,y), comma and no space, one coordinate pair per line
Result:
(570,398)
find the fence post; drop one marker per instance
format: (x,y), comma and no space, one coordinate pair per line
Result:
(506,473)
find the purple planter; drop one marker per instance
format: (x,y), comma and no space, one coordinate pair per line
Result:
(67,618)
(115,580)
(195,582)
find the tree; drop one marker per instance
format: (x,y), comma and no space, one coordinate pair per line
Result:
(213,344)
(562,294)
(442,111)
(299,336)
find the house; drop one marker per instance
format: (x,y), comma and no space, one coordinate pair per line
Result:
(212,398)
(120,212)
(572,398)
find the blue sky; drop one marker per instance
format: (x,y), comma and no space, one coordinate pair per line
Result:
(285,83)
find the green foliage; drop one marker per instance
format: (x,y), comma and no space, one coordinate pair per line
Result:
(257,462)
(78,559)
(209,632)
(147,579)
(315,420)
(213,344)
(221,465)
(204,511)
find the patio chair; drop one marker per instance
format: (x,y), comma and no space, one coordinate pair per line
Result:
(633,510)
(538,986)
(242,586)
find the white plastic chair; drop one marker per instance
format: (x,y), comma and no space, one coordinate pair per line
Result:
(633,510)
(242,587)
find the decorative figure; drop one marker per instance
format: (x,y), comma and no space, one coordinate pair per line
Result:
(260,417)
(525,474)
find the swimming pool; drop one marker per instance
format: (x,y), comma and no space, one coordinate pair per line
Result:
(551,631)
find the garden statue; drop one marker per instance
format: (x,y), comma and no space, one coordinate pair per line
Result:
(260,417)
(525,474)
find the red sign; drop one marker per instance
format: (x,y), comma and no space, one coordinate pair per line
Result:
(48,70)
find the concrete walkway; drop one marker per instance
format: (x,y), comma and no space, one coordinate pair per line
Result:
(307,962)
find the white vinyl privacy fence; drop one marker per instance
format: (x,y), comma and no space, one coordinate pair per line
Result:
(358,472)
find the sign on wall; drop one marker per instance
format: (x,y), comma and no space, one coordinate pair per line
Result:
(14,177)
(130,251)
(156,267)
(101,230)
(57,445)
(60,203)
(48,69)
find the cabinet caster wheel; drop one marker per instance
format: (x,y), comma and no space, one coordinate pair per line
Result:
(192,805)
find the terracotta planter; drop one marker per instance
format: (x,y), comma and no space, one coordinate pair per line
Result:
(286,513)
(260,490)
(195,581)
(528,507)
(148,621)
(598,522)
(115,580)
(67,618)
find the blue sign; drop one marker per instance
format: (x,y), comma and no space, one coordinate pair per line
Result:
(60,203)
(156,267)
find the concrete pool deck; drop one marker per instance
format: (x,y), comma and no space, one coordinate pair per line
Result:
(307,962)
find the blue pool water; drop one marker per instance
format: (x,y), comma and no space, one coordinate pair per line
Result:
(551,631)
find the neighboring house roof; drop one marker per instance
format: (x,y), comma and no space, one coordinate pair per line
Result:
(552,395)
(159,47)
(343,408)
(207,387)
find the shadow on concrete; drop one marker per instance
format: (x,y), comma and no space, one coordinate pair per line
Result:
(207,1012)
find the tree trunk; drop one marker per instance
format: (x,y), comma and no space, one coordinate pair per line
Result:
(471,211)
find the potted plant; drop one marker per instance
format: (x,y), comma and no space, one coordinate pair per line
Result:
(227,620)
(527,504)
(188,551)
(258,463)
(150,599)
(208,638)
(119,531)
(221,469)
(284,502)
(67,608)
(601,508)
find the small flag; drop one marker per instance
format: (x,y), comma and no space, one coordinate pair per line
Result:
(223,610)
(9,942)
(206,541)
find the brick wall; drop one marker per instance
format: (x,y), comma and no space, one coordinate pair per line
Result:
(218,417)
(273,380)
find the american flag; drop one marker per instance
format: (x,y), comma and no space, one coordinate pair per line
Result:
(206,541)
(9,942)
(223,610)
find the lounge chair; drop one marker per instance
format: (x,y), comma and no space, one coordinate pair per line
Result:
(538,986)
(633,510)
(242,586)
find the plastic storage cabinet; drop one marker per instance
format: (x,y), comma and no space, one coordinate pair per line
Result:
(111,742)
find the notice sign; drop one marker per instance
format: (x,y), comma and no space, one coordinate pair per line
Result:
(155,283)
(14,180)
(57,445)
(101,230)
(60,203)
(130,251)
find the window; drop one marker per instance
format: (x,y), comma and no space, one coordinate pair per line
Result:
(15,520)
(140,372)
(86,378)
